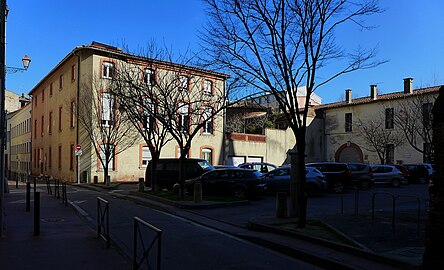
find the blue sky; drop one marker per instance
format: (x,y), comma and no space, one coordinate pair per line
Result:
(409,34)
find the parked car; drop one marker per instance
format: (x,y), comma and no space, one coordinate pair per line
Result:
(419,173)
(279,180)
(404,171)
(361,174)
(239,183)
(258,166)
(167,171)
(387,174)
(225,167)
(338,175)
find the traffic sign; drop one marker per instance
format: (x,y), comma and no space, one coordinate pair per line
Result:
(78,147)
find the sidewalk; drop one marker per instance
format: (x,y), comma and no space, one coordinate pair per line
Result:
(65,241)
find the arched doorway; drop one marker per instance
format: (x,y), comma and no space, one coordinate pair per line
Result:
(349,152)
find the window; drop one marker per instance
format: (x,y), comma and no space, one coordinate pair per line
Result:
(348,122)
(50,123)
(50,89)
(71,157)
(59,165)
(389,112)
(390,154)
(183,83)
(61,81)
(107,70)
(207,116)
(73,72)
(43,95)
(148,114)
(72,110)
(35,129)
(36,99)
(427,114)
(50,158)
(35,158)
(207,154)
(184,117)
(146,156)
(43,126)
(60,118)
(108,110)
(208,87)
(103,149)
(148,77)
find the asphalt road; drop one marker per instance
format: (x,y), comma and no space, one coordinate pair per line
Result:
(185,245)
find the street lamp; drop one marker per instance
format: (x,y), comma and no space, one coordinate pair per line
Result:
(25,61)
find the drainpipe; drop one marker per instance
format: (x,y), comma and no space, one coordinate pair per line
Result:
(77,110)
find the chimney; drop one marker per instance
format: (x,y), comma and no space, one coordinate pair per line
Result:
(348,96)
(373,91)
(408,85)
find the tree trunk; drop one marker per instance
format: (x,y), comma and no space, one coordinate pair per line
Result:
(182,171)
(301,183)
(434,248)
(153,175)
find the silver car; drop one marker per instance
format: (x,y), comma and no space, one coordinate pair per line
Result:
(387,174)
(279,180)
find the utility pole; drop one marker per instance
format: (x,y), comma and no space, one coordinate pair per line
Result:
(2,111)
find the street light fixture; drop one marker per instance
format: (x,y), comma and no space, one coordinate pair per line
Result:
(25,61)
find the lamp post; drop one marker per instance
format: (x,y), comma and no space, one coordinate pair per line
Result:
(3,70)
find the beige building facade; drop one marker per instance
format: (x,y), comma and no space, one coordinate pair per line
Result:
(343,140)
(56,131)
(19,145)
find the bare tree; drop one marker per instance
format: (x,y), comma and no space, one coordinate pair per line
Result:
(137,86)
(415,120)
(105,123)
(378,138)
(188,111)
(278,46)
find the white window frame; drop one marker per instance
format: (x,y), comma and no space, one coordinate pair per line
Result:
(148,115)
(108,70)
(208,87)
(102,157)
(146,156)
(206,114)
(148,77)
(107,109)
(207,154)
(183,83)
(184,113)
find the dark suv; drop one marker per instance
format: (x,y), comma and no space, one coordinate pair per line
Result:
(361,175)
(168,171)
(419,173)
(338,174)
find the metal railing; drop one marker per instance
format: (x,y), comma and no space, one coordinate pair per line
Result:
(103,220)
(144,258)
(48,185)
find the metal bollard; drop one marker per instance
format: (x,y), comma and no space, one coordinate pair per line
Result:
(36,213)
(281,205)
(198,192)
(141,184)
(28,197)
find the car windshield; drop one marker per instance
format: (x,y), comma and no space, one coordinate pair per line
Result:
(205,165)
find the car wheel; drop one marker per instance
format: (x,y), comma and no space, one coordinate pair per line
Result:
(396,183)
(365,184)
(422,180)
(311,190)
(338,188)
(240,192)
